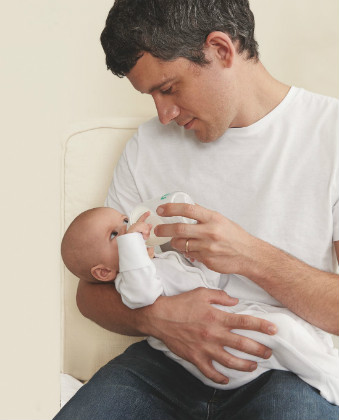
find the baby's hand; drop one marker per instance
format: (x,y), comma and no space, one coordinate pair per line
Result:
(144,228)
(141,226)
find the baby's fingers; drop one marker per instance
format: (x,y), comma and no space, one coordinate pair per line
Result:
(143,217)
(141,227)
(146,231)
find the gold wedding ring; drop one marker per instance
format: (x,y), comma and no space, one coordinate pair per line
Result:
(186,247)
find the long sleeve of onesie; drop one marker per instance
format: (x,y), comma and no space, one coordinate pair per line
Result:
(137,281)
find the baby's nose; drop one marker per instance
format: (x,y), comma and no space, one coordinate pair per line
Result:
(123,230)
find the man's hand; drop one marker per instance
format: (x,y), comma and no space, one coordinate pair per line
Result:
(216,241)
(198,332)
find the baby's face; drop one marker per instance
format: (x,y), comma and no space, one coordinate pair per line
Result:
(106,225)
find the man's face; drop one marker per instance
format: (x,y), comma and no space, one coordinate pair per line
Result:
(201,99)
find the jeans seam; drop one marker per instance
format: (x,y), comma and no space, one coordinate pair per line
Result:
(210,406)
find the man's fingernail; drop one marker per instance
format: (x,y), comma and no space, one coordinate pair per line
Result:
(272,329)
(160,210)
(268,354)
(253,367)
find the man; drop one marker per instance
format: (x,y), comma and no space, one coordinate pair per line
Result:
(265,157)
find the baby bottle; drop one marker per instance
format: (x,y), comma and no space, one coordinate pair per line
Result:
(154,219)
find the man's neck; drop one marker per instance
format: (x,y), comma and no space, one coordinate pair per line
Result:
(260,93)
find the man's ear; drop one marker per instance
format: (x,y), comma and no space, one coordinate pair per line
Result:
(102,273)
(220,45)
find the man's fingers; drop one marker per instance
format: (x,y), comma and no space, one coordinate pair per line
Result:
(180,230)
(208,370)
(232,321)
(248,322)
(226,359)
(248,346)
(180,244)
(192,211)
(219,297)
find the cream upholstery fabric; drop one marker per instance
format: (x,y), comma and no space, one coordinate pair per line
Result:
(90,154)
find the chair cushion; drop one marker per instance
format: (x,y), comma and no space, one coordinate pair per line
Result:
(91,151)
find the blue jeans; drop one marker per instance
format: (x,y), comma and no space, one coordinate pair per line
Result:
(144,384)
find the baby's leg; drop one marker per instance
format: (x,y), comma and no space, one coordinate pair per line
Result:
(295,350)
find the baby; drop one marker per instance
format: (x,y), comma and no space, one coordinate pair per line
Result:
(98,247)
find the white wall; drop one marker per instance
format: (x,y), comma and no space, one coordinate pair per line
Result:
(53,74)
(298,42)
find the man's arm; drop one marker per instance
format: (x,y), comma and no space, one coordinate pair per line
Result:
(102,304)
(310,293)
(226,248)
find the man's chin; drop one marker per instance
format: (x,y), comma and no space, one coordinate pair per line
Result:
(206,137)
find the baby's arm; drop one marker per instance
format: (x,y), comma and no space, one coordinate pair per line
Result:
(137,281)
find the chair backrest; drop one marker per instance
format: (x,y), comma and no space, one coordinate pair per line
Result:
(91,151)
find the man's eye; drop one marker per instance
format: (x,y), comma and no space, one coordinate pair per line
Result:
(167,91)
(113,234)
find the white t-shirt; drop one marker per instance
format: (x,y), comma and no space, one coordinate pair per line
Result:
(278,178)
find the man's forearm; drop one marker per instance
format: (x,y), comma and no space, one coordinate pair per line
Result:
(102,304)
(310,293)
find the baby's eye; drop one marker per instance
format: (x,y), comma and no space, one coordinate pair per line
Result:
(113,234)
(126,221)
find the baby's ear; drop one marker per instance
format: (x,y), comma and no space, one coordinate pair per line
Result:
(102,273)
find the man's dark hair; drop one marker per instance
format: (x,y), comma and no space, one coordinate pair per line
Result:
(169,29)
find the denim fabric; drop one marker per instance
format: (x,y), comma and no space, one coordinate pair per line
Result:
(143,384)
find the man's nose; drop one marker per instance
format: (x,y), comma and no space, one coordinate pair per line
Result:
(167,110)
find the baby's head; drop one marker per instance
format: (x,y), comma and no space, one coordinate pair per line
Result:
(89,249)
